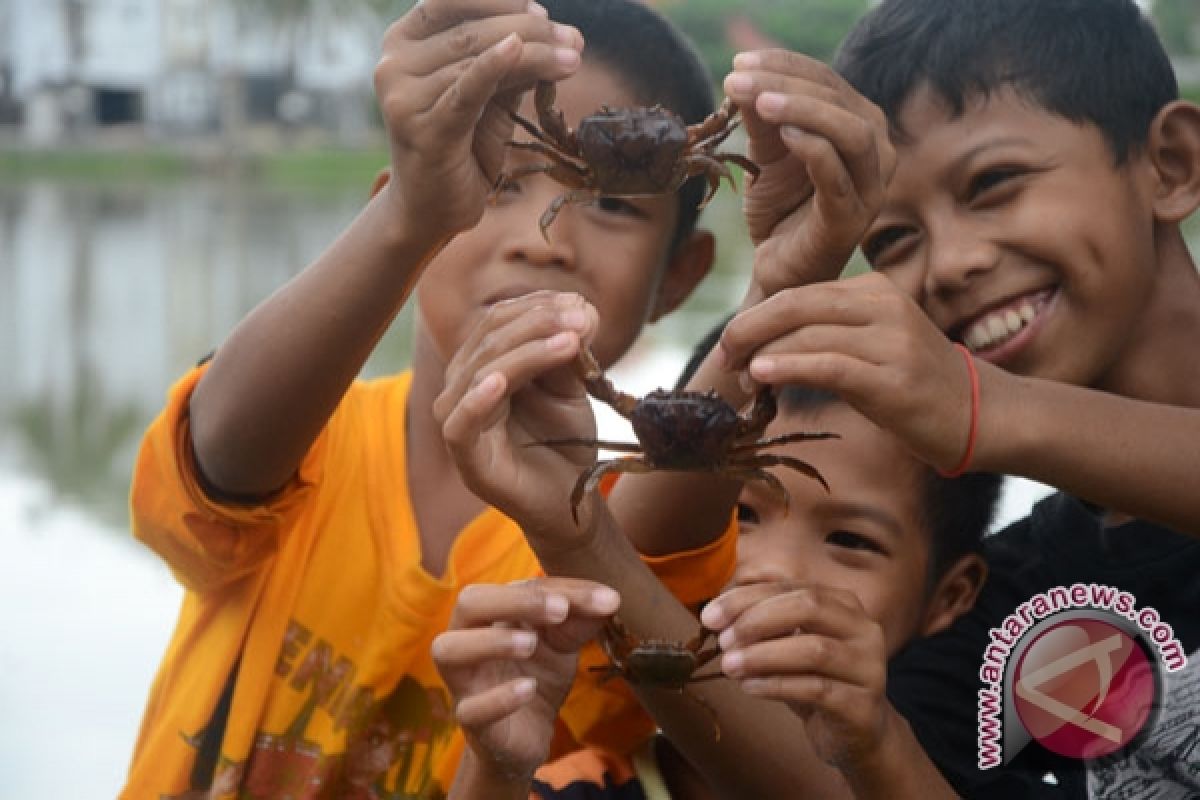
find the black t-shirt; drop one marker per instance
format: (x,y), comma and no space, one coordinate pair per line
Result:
(935,683)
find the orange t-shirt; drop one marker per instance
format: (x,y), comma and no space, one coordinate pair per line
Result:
(316,600)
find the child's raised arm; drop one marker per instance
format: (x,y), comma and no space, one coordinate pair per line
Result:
(825,158)
(449,72)
(866,340)
(508,659)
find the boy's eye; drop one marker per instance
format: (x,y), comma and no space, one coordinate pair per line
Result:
(990,179)
(616,205)
(878,245)
(746,515)
(853,541)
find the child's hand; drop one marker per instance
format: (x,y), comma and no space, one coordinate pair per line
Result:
(509,657)
(825,158)
(450,72)
(513,384)
(815,649)
(867,341)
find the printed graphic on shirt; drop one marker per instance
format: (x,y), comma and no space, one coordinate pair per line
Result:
(389,743)
(1167,765)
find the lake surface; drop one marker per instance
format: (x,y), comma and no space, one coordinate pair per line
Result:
(107,294)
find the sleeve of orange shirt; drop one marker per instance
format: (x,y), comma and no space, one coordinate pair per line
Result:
(206,543)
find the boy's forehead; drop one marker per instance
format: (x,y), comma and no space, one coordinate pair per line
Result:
(592,86)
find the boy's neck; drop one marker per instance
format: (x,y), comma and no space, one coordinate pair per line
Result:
(442,504)
(1157,362)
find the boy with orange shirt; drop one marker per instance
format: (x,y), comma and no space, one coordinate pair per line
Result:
(317,521)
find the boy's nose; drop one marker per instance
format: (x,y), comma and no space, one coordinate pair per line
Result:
(553,249)
(957,256)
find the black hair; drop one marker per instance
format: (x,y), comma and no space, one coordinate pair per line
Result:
(1096,62)
(656,62)
(957,512)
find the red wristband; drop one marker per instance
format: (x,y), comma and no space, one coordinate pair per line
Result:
(962,465)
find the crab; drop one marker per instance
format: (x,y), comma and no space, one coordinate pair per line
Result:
(657,662)
(623,152)
(687,431)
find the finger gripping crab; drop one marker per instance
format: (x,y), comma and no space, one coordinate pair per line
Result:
(688,432)
(657,662)
(623,152)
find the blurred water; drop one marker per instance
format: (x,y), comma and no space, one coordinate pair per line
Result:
(107,294)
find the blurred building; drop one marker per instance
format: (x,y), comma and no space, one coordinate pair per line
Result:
(72,70)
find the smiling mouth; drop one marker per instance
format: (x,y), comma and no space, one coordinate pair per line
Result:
(1000,325)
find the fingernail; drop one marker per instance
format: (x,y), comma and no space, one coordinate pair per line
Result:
(524,642)
(566,57)
(534,8)
(568,299)
(739,82)
(754,686)
(791,132)
(605,599)
(733,663)
(487,388)
(747,61)
(561,341)
(762,368)
(565,34)
(575,319)
(727,639)
(713,617)
(746,382)
(508,44)
(525,687)
(771,101)
(556,607)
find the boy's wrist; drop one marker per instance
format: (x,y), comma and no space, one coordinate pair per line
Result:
(482,778)
(897,767)
(401,230)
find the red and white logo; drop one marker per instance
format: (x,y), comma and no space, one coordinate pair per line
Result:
(1085,687)
(1078,669)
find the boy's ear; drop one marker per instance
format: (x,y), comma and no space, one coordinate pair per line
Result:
(1173,147)
(690,262)
(381,180)
(954,594)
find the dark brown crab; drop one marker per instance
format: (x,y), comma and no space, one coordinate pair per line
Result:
(657,662)
(687,431)
(624,152)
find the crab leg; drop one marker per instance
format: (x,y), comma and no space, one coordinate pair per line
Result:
(786,438)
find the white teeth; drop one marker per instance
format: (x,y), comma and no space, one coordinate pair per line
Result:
(995,328)
(977,339)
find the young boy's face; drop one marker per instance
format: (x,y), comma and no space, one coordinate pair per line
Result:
(865,535)
(613,251)
(1019,235)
